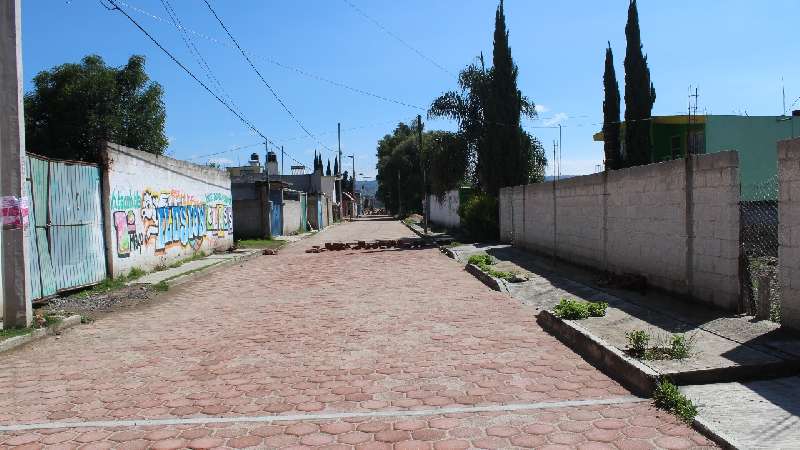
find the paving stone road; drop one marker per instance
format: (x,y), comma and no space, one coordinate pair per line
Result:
(374,349)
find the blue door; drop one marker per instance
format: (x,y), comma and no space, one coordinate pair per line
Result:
(277,219)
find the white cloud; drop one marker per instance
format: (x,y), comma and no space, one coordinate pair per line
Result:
(557,118)
(541,109)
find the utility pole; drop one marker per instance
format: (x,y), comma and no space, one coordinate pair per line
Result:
(425,202)
(269,199)
(353,180)
(337,175)
(282,158)
(17,311)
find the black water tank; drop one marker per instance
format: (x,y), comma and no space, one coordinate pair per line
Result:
(796,113)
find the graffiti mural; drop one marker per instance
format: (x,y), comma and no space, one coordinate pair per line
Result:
(164,219)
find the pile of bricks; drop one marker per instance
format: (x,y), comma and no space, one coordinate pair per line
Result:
(372,245)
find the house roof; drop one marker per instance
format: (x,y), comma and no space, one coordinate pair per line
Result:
(681,119)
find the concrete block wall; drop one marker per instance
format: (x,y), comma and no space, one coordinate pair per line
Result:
(444,212)
(539,232)
(789,231)
(676,223)
(579,219)
(715,213)
(646,223)
(291,217)
(158,209)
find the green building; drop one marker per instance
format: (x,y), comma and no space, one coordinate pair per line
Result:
(754,137)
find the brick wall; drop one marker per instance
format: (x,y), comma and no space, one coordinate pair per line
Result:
(789,231)
(641,220)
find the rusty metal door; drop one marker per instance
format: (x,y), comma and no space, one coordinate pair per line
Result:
(66,243)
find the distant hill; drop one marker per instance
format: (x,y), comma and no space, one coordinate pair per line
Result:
(367,187)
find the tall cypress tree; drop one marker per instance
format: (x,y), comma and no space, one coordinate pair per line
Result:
(611,114)
(336,166)
(639,94)
(508,160)
(328,171)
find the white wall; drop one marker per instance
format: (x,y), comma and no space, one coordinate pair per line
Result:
(158,209)
(640,220)
(789,231)
(445,212)
(291,217)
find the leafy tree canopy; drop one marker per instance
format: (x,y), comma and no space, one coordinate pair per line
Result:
(73,107)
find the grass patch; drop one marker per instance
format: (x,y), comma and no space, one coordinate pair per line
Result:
(675,346)
(454,244)
(578,310)
(484,262)
(260,243)
(39,321)
(161,286)
(669,398)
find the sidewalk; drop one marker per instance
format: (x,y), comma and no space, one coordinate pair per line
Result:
(728,348)
(194,266)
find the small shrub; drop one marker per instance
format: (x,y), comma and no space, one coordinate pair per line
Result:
(680,347)
(577,310)
(161,286)
(479,217)
(638,341)
(135,274)
(481,259)
(597,309)
(669,398)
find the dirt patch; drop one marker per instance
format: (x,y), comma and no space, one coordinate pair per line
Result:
(94,306)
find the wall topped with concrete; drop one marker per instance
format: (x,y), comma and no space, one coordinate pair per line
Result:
(789,231)
(158,209)
(676,223)
(444,212)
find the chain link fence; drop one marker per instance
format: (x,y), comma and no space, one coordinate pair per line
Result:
(759,256)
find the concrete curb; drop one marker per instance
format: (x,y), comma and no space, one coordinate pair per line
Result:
(40,333)
(182,278)
(494,283)
(718,438)
(631,373)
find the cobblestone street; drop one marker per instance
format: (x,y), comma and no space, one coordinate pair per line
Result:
(365,349)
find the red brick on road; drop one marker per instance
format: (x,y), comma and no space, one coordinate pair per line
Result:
(366,332)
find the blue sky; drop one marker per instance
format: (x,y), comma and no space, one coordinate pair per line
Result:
(735,51)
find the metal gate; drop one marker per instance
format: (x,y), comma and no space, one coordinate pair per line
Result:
(66,244)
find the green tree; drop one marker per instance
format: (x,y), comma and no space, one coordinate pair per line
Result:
(446,157)
(611,125)
(336,166)
(507,162)
(328,170)
(488,107)
(400,171)
(640,95)
(73,107)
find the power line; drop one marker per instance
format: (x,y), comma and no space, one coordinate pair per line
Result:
(399,39)
(115,7)
(195,52)
(280,64)
(255,69)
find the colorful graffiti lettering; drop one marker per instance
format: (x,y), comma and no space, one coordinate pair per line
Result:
(163,219)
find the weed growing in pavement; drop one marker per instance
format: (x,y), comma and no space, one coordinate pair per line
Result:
(161,286)
(668,397)
(484,262)
(577,310)
(638,341)
(675,346)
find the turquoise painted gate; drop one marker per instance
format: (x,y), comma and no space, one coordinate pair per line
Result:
(66,244)
(303,212)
